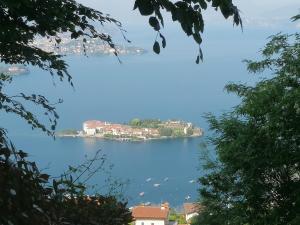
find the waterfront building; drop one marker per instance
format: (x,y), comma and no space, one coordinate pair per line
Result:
(91,127)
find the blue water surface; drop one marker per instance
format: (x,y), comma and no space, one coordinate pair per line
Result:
(165,86)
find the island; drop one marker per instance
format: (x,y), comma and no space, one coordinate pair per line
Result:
(14,70)
(135,130)
(91,46)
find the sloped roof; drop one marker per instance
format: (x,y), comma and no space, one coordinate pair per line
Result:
(190,208)
(150,212)
(93,124)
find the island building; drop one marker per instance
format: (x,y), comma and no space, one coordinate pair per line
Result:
(191,210)
(91,127)
(100,128)
(151,215)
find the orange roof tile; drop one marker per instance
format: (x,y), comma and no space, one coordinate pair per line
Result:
(191,208)
(150,212)
(94,123)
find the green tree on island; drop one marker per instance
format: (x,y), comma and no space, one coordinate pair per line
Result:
(256,176)
(135,122)
(27,195)
(165,131)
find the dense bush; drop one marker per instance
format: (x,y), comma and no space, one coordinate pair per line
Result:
(256,177)
(31,197)
(165,131)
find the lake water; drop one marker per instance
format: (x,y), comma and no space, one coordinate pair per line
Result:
(167,86)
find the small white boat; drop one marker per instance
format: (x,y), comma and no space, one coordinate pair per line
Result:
(156,185)
(187,197)
(142,194)
(147,203)
(149,179)
(192,181)
(166,179)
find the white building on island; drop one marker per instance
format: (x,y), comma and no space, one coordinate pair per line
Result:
(91,127)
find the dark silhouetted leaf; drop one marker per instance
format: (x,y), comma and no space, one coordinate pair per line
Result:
(198,59)
(154,23)
(156,47)
(163,41)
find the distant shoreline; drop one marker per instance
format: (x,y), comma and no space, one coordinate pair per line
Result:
(92,46)
(124,139)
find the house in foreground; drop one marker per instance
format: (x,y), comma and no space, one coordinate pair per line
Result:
(191,210)
(151,215)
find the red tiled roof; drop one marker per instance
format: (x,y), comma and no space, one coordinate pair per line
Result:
(191,208)
(94,123)
(150,212)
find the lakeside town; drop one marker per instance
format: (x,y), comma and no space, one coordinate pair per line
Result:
(135,130)
(14,70)
(91,46)
(68,46)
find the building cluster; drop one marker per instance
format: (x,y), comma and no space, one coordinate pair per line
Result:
(91,46)
(99,128)
(159,215)
(14,70)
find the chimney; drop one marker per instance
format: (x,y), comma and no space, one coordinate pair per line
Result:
(165,206)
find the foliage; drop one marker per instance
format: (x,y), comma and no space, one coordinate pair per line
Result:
(135,122)
(31,197)
(190,131)
(15,104)
(111,136)
(67,132)
(23,21)
(174,216)
(146,123)
(189,15)
(178,132)
(256,178)
(174,131)
(165,131)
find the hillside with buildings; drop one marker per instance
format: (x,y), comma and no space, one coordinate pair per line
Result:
(91,46)
(135,130)
(13,70)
